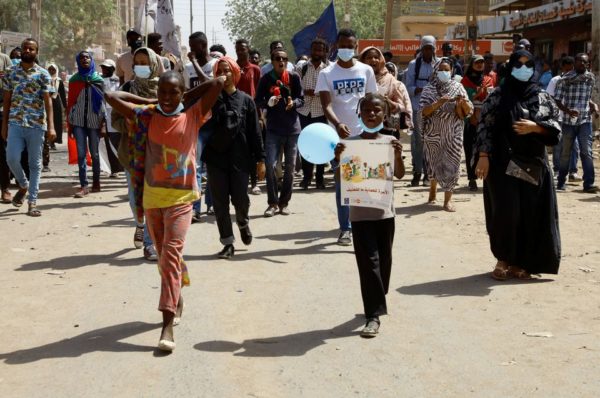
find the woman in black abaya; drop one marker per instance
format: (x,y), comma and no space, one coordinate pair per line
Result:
(518,121)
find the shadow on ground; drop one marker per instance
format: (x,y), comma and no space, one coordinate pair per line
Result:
(84,260)
(291,345)
(479,285)
(105,339)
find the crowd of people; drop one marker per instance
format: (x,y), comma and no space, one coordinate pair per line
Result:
(220,125)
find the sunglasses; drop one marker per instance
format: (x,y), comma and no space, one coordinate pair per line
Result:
(529,64)
(279,59)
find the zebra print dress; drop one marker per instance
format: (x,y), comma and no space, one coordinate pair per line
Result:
(443,134)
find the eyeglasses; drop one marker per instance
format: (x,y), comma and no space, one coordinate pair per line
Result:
(529,64)
(279,59)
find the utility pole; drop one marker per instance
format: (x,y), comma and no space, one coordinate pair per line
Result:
(35,14)
(191,18)
(387,33)
(346,14)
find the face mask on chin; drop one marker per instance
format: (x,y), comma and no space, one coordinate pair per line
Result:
(369,129)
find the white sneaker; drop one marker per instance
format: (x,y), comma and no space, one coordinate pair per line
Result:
(256,190)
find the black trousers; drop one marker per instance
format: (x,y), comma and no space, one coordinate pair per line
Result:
(468,143)
(46,153)
(308,167)
(112,141)
(4,170)
(373,241)
(225,184)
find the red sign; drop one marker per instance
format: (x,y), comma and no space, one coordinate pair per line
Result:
(407,47)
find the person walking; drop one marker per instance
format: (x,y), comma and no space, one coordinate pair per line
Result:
(112,137)
(86,114)
(312,111)
(518,120)
(417,77)
(280,92)
(232,152)
(27,120)
(59,102)
(164,141)
(477,85)
(574,97)
(6,196)
(341,86)
(445,105)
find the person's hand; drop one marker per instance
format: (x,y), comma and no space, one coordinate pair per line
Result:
(290,104)
(418,90)
(573,112)
(397,147)
(310,93)
(261,124)
(339,148)
(482,168)
(443,100)
(70,132)
(51,135)
(524,126)
(191,56)
(343,130)
(261,171)
(273,101)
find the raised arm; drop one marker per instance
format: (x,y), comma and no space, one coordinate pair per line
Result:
(124,102)
(209,92)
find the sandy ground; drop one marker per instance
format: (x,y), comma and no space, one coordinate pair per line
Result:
(281,319)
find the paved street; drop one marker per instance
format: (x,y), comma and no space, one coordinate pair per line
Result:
(282,318)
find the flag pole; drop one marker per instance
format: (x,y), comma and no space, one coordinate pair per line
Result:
(146,25)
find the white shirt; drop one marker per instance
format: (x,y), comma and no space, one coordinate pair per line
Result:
(191,77)
(347,86)
(110,84)
(552,85)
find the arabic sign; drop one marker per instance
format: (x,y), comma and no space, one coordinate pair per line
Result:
(405,48)
(11,40)
(548,13)
(366,174)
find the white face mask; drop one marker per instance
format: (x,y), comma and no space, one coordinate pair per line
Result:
(345,54)
(176,112)
(444,76)
(142,71)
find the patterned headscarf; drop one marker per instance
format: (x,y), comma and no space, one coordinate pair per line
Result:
(91,77)
(146,88)
(235,69)
(448,88)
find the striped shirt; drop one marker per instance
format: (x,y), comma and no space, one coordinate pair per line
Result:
(82,113)
(575,92)
(312,103)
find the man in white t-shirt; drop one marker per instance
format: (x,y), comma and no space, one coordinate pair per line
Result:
(341,86)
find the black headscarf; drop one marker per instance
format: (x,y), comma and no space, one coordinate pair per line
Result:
(518,95)
(475,76)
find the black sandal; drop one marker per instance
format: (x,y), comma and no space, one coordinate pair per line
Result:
(33,210)
(19,197)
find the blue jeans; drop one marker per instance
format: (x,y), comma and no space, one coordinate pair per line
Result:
(273,146)
(203,136)
(343,212)
(147,238)
(19,139)
(87,138)
(416,146)
(584,134)
(574,156)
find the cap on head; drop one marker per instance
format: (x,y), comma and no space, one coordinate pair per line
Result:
(428,40)
(109,63)
(447,46)
(525,43)
(477,57)
(132,32)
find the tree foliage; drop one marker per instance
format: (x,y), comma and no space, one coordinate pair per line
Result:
(68,26)
(262,21)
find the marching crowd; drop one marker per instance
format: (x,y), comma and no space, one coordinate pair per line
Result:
(173,127)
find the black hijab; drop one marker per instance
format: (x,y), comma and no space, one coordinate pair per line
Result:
(517,95)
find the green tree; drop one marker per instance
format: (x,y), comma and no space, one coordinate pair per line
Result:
(68,26)
(262,21)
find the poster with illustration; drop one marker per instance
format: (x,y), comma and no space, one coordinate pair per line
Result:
(366,173)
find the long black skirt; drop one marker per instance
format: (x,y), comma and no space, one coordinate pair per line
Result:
(522,220)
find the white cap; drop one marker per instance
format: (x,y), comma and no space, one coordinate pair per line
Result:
(109,63)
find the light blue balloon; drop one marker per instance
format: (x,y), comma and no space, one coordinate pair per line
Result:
(317,143)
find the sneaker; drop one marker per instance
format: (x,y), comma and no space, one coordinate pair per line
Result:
(285,211)
(415,180)
(270,212)
(256,190)
(473,185)
(320,185)
(304,185)
(45,169)
(138,237)
(227,252)
(591,189)
(371,328)
(246,235)
(345,238)
(114,175)
(561,188)
(150,253)
(6,196)
(425,182)
(573,177)
(210,211)
(96,187)
(196,217)
(82,193)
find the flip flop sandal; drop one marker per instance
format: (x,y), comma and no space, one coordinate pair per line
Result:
(33,211)
(18,198)
(520,274)
(501,274)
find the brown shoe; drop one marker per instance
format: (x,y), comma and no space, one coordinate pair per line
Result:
(96,187)
(83,192)
(6,196)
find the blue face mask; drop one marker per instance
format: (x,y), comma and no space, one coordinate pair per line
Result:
(444,76)
(369,129)
(15,61)
(345,54)
(176,112)
(523,73)
(142,71)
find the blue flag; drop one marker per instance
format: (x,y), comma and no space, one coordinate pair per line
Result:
(325,28)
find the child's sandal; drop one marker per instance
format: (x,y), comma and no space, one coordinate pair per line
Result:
(33,211)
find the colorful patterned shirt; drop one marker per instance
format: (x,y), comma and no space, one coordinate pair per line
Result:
(170,161)
(27,102)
